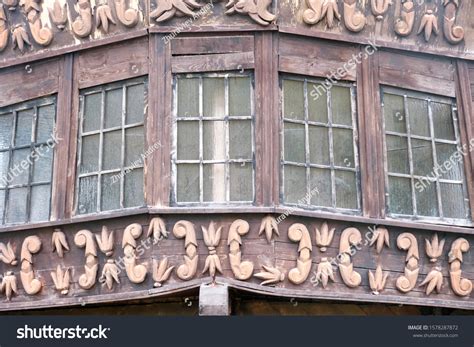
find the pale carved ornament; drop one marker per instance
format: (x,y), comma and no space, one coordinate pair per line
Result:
(3,29)
(59,243)
(454,34)
(20,38)
(9,285)
(434,280)
(428,25)
(85,239)
(31,245)
(161,272)
(61,279)
(58,14)
(103,16)
(379,8)
(136,273)
(460,286)
(324,272)
(350,239)
(404,24)
(380,238)
(354,19)
(255,9)
(270,275)
(408,242)
(157,229)
(242,270)
(106,241)
(42,35)
(82,25)
(185,229)
(126,16)
(212,237)
(269,226)
(110,274)
(434,248)
(319,9)
(7,254)
(377,280)
(324,236)
(167,9)
(299,233)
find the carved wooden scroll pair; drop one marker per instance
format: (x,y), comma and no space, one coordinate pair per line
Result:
(354,20)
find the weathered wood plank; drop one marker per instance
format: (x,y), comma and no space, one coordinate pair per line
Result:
(212,62)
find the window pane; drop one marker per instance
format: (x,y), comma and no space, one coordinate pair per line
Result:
(452,198)
(241,182)
(240,144)
(295,183)
(418,112)
(321,187)
(6,125)
(341,105)
(214,134)
(449,161)
(43,166)
(423,164)
(112,152)
(135,104)
(293,99)
(40,202)
(134,195)
(317,103)
(239,96)
(214,182)
(90,154)
(188,183)
(92,111)
(343,147)
(294,142)
(17,206)
(20,166)
(2,205)
(45,123)
(400,195)
(134,145)
(110,199)
(5,177)
(397,154)
(188,97)
(87,195)
(318,145)
(394,113)
(23,127)
(346,189)
(188,140)
(213,97)
(443,121)
(113,108)
(426,199)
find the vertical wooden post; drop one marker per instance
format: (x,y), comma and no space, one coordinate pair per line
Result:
(214,300)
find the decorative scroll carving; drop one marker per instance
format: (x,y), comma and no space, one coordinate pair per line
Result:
(59,242)
(58,14)
(42,35)
(404,24)
(428,25)
(161,272)
(407,242)
(269,225)
(106,241)
(433,280)
(325,272)
(82,26)
(157,229)
(211,239)
(185,229)
(135,273)
(461,286)
(11,4)
(353,18)
(85,238)
(349,239)
(324,237)
(453,33)
(7,255)
(20,38)
(103,16)
(256,9)
(166,9)
(271,275)
(299,233)
(380,238)
(242,269)
(3,29)
(109,274)
(9,285)
(126,16)
(61,280)
(31,245)
(377,281)
(379,8)
(318,9)
(434,248)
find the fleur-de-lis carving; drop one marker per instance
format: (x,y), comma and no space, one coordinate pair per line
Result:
(324,272)
(428,25)
(166,9)
(433,280)
(31,245)
(271,275)
(212,237)
(185,229)
(135,273)
(434,248)
(8,285)
(58,14)
(3,29)
(256,9)
(318,9)
(380,7)
(103,16)
(59,242)
(161,271)
(126,16)
(61,280)
(20,38)
(242,269)
(380,238)
(106,241)
(353,18)
(157,229)
(407,242)
(460,286)
(110,274)
(7,255)
(269,225)
(85,239)
(299,233)
(377,281)
(453,33)
(82,26)
(350,238)
(324,236)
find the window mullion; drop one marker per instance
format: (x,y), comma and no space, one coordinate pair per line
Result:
(201,154)
(306,134)
(410,155)
(435,158)
(331,150)
(122,153)
(101,151)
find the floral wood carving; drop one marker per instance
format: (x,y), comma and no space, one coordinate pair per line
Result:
(31,245)
(42,35)
(377,281)
(85,239)
(109,274)
(82,26)
(453,33)
(318,9)
(461,286)
(433,280)
(434,248)
(126,16)
(211,239)
(11,4)
(428,25)
(166,9)
(59,242)
(7,255)
(161,272)
(404,24)
(20,38)
(271,275)
(325,272)
(380,238)
(379,8)
(256,9)
(324,237)
(106,241)
(269,225)
(185,229)
(350,238)
(242,269)
(58,14)
(407,282)
(61,280)
(3,29)
(9,285)
(135,273)
(299,233)
(353,18)
(157,229)
(103,16)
